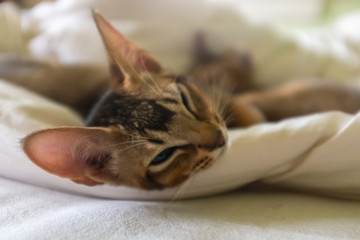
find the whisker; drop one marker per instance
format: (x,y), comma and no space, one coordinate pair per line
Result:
(209,90)
(228,119)
(128,142)
(221,94)
(213,91)
(142,79)
(131,135)
(138,144)
(225,104)
(226,96)
(182,189)
(151,78)
(209,87)
(217,85)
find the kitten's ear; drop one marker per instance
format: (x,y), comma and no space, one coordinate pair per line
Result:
(125,57)
(201,52)
(244,59)
(70,152)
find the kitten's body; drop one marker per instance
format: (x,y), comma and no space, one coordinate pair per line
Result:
(78,86)
(153,129)
(293,99)
(230,78)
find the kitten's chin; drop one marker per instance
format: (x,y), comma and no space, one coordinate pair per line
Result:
(216,154)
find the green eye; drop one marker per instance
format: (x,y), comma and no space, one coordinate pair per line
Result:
(163,156)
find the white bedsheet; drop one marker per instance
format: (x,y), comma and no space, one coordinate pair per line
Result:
(33,213)
(317,153)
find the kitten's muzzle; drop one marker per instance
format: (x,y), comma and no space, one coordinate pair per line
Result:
(218,143)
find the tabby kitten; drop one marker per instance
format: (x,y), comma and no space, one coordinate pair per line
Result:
(150,130)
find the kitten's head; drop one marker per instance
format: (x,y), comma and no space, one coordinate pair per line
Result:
(151,130)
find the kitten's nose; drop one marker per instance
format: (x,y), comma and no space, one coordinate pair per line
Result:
(218,143)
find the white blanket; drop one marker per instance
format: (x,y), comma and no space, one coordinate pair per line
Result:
(30,213)
(317,153)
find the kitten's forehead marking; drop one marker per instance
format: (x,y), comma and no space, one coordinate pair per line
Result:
(132,113)
(155,141)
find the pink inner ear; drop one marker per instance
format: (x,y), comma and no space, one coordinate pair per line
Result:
(61,151)
(145,62)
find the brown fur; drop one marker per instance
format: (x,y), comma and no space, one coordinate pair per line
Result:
(292,99)
(56,81)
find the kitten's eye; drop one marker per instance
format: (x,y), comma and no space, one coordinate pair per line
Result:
(189,105)
(163,156)
(185,101)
